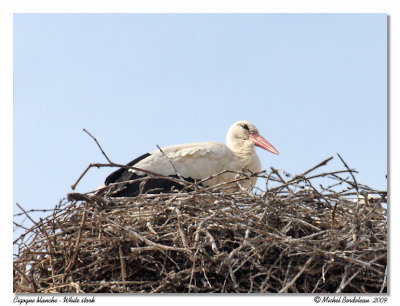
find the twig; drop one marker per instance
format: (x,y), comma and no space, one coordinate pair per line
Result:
(384,281)
(122,261)
(26,214)
(333,216)
(323,163)
(170,161)
(212,242)
(288,285)
(182,234)
(285,184)
(351,173)
(101,149)
(343,283)
(76,249)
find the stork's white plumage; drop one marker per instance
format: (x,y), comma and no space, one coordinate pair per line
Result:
(193,162)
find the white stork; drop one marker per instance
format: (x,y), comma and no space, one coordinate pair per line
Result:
(193,162)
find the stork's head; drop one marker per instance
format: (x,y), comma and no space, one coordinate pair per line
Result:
(243,135)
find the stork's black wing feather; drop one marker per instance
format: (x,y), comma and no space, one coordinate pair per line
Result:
(131,189)
(121,174)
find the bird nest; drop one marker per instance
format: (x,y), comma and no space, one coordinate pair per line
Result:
(321,233)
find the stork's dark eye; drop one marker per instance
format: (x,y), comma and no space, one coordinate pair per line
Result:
(245,127)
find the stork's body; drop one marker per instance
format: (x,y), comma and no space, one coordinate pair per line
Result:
(193,162)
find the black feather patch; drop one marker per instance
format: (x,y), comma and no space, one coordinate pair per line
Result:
(120,174)
(151,185)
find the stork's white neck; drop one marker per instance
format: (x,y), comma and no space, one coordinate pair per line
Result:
(240,146)
(244,150)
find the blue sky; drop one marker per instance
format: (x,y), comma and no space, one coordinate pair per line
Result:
(314,85)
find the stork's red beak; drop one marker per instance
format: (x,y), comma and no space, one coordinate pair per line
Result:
(262,143)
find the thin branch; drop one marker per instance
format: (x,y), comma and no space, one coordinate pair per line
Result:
(290,284)
(170,161)
(122,261)
(323,163)
(350,171)
(101,149)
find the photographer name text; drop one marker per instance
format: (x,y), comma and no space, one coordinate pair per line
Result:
(350,300)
